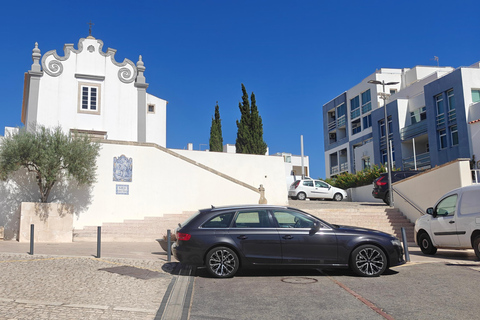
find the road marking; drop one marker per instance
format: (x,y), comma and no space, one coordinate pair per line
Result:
(359,297)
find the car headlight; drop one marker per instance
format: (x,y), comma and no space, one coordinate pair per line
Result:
(396,242)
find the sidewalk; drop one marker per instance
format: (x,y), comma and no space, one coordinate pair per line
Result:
(67,281)
(130,250)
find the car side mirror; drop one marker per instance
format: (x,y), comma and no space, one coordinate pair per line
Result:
(315,228)
(431,212)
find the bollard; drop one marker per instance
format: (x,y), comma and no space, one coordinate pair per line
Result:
(169,245)
(99,241)
(32,233)
(405,245)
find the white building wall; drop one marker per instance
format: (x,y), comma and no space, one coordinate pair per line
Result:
(164,183)
(117,111)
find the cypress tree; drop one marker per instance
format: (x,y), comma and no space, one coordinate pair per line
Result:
(243,143)
(216,139)
(250,127)
(259,146)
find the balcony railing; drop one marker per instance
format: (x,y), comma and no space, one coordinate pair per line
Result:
(452,115)
(341,121)
(343,166)
(423,162)
(367,107)
(355,113)
(332,125)
(440,119)
(413,130)
(334,170)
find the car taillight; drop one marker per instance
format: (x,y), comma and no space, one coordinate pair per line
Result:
(296,184)
(380,183)
(183,236)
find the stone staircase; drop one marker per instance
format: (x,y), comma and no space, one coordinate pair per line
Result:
(381,218)
(148,229)
(374,217)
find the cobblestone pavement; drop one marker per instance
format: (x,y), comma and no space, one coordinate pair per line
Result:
(56,287)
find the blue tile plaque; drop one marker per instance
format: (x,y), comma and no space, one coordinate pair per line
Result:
(122,189)
(122,169)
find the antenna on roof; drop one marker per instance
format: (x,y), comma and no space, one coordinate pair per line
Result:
(436,59)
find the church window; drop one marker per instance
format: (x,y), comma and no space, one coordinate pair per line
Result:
(89,98)
(151,108)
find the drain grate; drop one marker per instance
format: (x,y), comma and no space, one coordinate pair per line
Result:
(138,273)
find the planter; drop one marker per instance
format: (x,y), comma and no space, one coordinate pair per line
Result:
(163,243)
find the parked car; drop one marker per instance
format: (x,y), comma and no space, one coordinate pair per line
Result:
(224,239)
(380,185)
(453,223)
(309,188)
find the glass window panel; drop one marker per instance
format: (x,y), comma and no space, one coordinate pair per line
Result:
(447,206)
(439,102)
(454,133)
(221,221)
(475,95)
(451,100)
(355,103)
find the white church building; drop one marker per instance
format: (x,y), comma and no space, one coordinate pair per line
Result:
(88,91)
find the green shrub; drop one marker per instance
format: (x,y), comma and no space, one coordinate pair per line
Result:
(362,178)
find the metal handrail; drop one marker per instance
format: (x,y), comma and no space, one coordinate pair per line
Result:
(408,201)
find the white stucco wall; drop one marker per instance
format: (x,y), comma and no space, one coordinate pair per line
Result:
(163,183)
(424,189)
(59,94)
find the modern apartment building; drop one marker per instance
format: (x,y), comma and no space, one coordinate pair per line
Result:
(432,115)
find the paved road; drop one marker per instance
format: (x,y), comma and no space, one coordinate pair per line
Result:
(432,289)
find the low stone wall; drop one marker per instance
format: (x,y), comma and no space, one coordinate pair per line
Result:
(53,222)
(362,194)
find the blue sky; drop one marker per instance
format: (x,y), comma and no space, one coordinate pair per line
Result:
(294,55)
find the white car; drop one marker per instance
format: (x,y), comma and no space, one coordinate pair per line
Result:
(453,223)
(309,188)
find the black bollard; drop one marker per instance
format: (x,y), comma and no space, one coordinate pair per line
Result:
(32,240)
(99,241)
(169,245)
(405,245)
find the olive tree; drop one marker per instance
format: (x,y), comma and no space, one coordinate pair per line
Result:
(49,154)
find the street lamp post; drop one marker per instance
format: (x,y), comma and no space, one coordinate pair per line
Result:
(385,97)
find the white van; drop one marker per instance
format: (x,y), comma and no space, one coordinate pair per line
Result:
(453,223)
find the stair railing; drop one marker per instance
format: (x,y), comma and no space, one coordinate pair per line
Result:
(407,200)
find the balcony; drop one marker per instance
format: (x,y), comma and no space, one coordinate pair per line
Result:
(343,167)
(413,130)
(341,121)
(423,162)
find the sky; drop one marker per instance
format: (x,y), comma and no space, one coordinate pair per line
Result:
(294,55)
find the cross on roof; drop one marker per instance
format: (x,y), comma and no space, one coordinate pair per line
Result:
(90,28)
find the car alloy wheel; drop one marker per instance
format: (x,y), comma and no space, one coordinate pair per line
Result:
(222,262)
(338,197)
(368,261)
(301,196)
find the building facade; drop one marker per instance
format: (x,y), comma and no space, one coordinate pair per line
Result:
(431,113)
(88,91)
